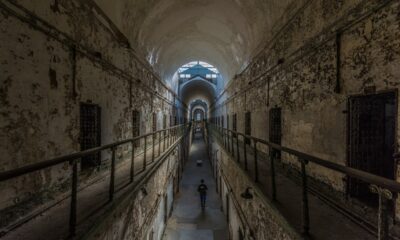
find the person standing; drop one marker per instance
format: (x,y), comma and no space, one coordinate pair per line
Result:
(202,189)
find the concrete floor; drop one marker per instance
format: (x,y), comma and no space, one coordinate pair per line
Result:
(188,221)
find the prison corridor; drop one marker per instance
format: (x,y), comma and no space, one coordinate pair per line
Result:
(187,220)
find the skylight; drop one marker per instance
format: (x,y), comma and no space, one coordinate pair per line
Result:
(194,63)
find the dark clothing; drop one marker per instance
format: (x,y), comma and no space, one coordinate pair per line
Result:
(203,200)
(202,189)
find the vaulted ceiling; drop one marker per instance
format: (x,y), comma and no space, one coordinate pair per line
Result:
(170,33)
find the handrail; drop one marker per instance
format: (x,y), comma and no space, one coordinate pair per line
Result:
(6,175)
(384,187)
(171,136)
(359,174)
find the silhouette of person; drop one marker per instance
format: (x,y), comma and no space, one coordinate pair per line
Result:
(202,189)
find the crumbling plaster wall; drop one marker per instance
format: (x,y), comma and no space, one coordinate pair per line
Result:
(260,219)
(297,71)
(54,55)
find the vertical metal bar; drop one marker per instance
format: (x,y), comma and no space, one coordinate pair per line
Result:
(232,149)
(224,137)
(245,152)
(132,173)
(273,182)
(306,213)
(168,137)
(159,143)
(112,177)
(165,136)
(74,193)
(383,221)
(255,161)
(229,141)
(144,153)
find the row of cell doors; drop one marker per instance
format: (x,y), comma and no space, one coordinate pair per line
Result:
(371,138)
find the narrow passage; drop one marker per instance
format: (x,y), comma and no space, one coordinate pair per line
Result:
(188,221)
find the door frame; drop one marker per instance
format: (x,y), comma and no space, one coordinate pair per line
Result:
(396,125)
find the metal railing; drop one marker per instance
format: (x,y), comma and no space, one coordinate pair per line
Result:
(166,138)
(385,188)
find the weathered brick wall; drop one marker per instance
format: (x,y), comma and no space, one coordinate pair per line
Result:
(297,71)
(43,83)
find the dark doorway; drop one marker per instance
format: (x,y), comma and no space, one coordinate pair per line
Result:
(90,134)
(275,130)
(234,124)
(247,126)
(371,137)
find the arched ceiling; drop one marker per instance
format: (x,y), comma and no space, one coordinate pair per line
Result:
(170,33)
(198,89)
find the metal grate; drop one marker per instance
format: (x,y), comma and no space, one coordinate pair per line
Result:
(275,129)
(234,123)
(371,127)
(154,127)
(136,125)
(90,133)
(247,126)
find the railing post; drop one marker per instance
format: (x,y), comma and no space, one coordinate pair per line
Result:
(112,177)
(132,172)
(74,193)
(305,211)
(165,136)
(224,137)
(384,199)
(169,137)
(229,141)
(144,152)
(273,181)
(255,161)
(159,143)
(233,150)
(245,152)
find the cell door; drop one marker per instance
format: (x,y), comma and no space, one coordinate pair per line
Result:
(234,124)
(90,133)
(136,126)
(154,125)
(247,126)
(371,138)
(275,129)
